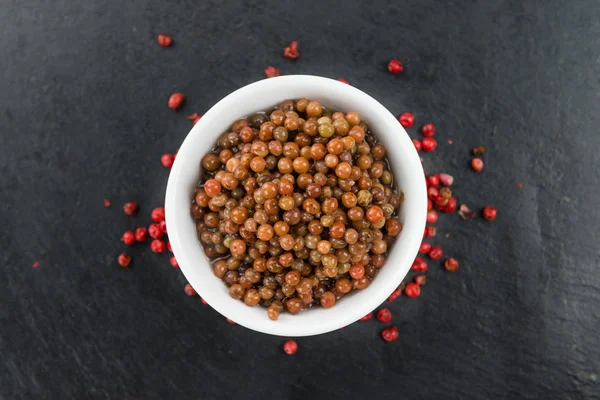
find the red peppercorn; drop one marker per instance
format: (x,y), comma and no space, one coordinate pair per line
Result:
(395,294)
(194,116)
(429,144)
(384,315)
(430,231)
(141,234)
(490,213)
(163,226)
(203,301)
(128,238)
(107,203)
(167,160)
(169,247)
(36,264)
(344,81)
(395,66)
(290,347)
(446,180)
(451,265)
(367,317)
(432,217)
(173,262)
(419,265)
(433,180)
(424,248)
(429,205)
(390,334)
(123,260)
(412,290)
(176,100)
(164,40)
(428,130)
(272,72)
(433,193)
(291,51)
(158,214)
(155,231)
(130,207)
(189,290)
(407,120)
(477,164)
(435,253)
(418,144)
(420,280)
(450,206)
(158,246)
(232,322)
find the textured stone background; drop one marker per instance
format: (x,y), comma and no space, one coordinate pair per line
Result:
(83,116)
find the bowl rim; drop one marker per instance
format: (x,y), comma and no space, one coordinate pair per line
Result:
(413,223)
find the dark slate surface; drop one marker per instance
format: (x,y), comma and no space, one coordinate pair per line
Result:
(83,117)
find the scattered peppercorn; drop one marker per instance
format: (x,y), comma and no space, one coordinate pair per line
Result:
(451,265)
(395,294)
(446,180)
(419,265)
(421,280)
(418,144)
(174,262)
(124,260)
(165,40)
(412,290)
(36,264)
(158,214)
(290,347)
(384,315)
(489,213)
(367,317)
(141,234)
(465,212)
(158,246)
(189,290)
(128,238)
(176,100)
(344,81)
(130,207)
(424,248)
(272,72)
(429,144)
(291,51)
(435,253)
(395,66)
(430,231)
(407,120)
(107,203)
(154,231)
(477,164)
(428,130)
(193,117)
(390,334)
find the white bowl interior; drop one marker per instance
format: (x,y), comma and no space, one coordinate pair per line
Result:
(263,95)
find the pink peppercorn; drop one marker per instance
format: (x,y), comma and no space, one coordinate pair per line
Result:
(424,248)
(107,203)
(430,231)
(390,334)
(435,253)
(290,347)
(421,280)
(141,234)
(395,294)
(384,315)
(344,81)
(395,66)
(169,247)
(407,120)
(419,265)
(158,214)
(490,213)
(167,160)
(429,144)
(446,180)
(429,205)
(451,265)
(130,207)
(155,232)
(123,260)
(163,226)
(433,180)
(189,290)
(412,290)
(367,317)
(128,238)
(477,164)
(158,246)
(173,262)
(428,130)
(418,144)
(176,100)
(432,217)
(433,193)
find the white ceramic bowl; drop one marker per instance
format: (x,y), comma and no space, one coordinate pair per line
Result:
(263,95)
